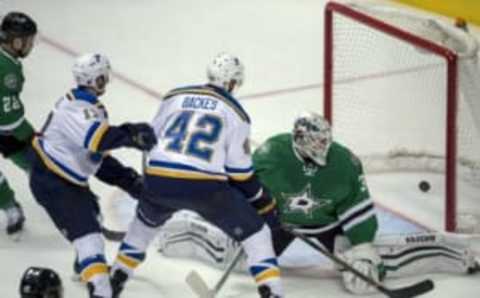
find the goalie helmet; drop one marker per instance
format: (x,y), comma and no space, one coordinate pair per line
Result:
(93,71)
(225,71)
(312,137)
(40,283)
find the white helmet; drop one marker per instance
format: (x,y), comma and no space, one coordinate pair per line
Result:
(312,137)
(224,69)
(92,70)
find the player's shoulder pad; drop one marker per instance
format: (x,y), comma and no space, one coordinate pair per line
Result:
(180,90)
(345,155)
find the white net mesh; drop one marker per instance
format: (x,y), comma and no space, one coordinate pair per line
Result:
(399,94)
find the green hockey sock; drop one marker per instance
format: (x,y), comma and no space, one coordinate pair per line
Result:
(7,196)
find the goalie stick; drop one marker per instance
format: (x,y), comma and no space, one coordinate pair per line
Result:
(200,287)
(404,292)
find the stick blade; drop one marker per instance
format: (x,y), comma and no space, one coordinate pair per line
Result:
(413,290)
(198,285)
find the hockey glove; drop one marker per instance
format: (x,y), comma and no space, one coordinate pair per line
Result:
(9,145)
(365,259)
(267,208)
(141,134)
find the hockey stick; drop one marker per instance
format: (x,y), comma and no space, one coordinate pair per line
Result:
(117,236)
(404,292)
(200,287)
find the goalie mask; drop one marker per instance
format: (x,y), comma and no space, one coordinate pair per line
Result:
(225,71)
(312,137)
(92,71)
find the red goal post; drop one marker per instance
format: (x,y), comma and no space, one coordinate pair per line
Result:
(357,80)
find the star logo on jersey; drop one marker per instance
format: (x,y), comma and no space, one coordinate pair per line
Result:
(304,202)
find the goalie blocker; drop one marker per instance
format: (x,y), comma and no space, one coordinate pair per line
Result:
(187,235)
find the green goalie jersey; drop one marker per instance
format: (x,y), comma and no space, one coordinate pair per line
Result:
(317,198)
(12,114)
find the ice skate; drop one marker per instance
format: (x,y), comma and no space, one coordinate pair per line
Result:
(266,292)
(118,280)
(15,221)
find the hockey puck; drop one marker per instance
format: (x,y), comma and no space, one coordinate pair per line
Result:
(424,186)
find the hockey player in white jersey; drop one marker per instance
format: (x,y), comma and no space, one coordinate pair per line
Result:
(202,157)
(74,145)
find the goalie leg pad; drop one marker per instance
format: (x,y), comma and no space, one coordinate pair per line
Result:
(422,253)
(186,234)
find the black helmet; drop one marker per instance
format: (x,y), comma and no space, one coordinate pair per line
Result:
(40,283)
(17,24)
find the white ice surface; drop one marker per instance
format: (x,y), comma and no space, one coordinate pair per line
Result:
(155,46)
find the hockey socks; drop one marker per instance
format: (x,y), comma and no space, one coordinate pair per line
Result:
(6,193)
(93,265)
(129,257)
(262,261)
(132,250)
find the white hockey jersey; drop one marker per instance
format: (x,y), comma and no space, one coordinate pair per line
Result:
(202,134)
(70,137)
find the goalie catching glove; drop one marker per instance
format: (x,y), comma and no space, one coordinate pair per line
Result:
(364,258)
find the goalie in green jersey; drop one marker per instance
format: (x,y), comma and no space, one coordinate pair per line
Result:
(17,33)
(319,187)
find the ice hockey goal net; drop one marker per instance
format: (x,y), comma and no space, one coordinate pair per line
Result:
(402,90)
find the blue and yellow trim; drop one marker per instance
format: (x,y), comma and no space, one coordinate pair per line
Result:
(127,261)
(94,135)
(130,256)
(267,208)
(267,275)
(56,166)
(181,171)
(215,92)
(238,174)
(93,270)
(265,270)
(92,267)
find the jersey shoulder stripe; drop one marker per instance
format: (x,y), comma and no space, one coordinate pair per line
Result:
(94,135)
(213,92)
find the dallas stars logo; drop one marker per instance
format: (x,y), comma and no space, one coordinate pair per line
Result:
(304,202)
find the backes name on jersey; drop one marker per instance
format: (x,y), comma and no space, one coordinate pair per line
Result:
(420,239)
(198,102)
